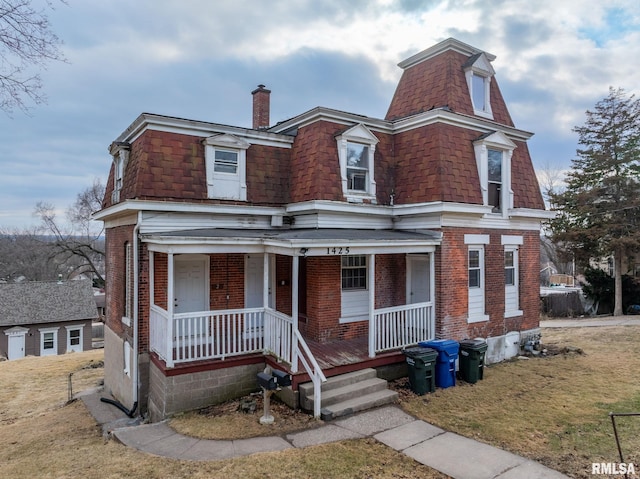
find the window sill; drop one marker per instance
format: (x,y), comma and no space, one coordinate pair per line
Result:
(354,197)
(353,319)
(484,114)
(514,313)
(478,319)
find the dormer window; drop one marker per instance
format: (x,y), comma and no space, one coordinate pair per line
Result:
(226,160)
(493,158)
(357,166)
(356,148)
(479,72)
(120,158)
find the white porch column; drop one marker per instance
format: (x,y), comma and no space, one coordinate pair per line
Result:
(152,299)
(371,281)
(170,308)
(295,271)
(266,274)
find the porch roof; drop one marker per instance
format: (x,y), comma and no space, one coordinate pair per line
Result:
(294,242)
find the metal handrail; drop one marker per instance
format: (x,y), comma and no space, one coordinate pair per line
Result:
(613,416)
(314,371)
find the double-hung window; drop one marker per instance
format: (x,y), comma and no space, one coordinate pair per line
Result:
(354,290)
(476,276)
(494,178)
(225,162)
(478,71)
(356,153)
(120,158)
(493,153)
(511,275)
(354,273)
(48,341)
(357,166)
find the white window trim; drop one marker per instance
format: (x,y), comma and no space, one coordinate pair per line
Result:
(362,296)
(481,67)
(128,284)
(54,351)
(362,135)
(80,347)
(495,141)
(512,243)
(477,242)
(226,142)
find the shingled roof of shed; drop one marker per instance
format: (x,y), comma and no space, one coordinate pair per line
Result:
(46,302)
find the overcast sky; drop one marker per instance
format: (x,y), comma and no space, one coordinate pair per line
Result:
(200,59)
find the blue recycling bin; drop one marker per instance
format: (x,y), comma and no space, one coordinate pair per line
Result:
(446,360)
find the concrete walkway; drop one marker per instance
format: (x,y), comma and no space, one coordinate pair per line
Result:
(454,455)
(589,322)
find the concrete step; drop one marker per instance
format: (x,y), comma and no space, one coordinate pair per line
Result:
(347,393)
(336,382)
(361,403)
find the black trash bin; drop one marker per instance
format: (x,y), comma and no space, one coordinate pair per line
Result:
(421,365)
(472,354)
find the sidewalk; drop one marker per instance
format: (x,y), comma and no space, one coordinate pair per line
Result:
(454,455)
(591,322)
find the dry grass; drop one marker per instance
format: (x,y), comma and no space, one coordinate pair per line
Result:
(553,410)
(44,437)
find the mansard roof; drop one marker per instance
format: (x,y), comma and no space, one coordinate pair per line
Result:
(435,78)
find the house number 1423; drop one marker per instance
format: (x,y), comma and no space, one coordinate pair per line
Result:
(338,250)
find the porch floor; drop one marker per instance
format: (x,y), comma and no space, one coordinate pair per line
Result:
(331,354)
(343,356)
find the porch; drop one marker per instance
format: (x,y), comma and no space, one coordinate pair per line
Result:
(211,335)
(291,296)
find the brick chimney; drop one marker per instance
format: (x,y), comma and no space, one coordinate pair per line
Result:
(261,106)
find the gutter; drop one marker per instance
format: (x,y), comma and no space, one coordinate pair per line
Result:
(135,373)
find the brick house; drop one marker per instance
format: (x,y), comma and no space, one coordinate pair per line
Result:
(321,245)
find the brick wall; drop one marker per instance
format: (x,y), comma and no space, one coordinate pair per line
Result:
(115,240)
(452,285)
(227,281)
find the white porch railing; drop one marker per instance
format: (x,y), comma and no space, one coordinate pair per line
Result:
(206,334)
(401,326)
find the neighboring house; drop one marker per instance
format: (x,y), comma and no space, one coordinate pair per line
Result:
(321,245)
(45,318)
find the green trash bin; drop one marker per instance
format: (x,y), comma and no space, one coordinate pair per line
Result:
(472,354)
(421,363)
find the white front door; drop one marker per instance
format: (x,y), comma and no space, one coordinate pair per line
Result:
(191,285)
(419,279)
(254,282)
(16,345)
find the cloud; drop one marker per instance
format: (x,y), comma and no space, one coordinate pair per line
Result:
(199,59)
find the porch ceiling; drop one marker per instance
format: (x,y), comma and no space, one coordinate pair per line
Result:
(294,242)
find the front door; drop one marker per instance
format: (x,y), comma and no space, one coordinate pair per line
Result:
(419,280)
(254,282)
(191,286)
(16,338)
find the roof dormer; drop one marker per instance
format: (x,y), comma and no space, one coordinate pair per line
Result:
(478,72)
(356,148)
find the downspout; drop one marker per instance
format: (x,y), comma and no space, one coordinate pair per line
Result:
(134,366)
(136,273)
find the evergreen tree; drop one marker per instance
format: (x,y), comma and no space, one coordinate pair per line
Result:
(598,214)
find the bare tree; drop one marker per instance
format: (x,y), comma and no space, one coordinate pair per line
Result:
(24,255)
(77,244)
(27,44)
